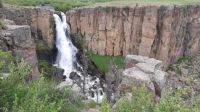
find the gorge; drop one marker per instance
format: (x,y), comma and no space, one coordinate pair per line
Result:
(111,30)
(165,33)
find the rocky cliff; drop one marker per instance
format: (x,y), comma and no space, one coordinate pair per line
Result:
(162,32)
(38,18)
(17,39)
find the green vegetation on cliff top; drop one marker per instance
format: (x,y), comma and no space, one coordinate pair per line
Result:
(57,4)
(69,4)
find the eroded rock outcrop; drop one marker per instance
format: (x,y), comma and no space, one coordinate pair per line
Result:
(162,32)
(144,70)
(38,18)
(17,38)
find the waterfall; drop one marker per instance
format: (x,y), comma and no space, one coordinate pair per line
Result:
(66,60)
(66,56)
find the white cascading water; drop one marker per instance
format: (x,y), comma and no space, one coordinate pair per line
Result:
(66,58)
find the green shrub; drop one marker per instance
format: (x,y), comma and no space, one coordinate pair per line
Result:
(124,105)
(45,68)
(143,101)
(5,59)
(2,24)
(1,5)
(20,95)
(187,60)
(91,104)
(105,106)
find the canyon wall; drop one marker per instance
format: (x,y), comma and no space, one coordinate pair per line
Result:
(162,32)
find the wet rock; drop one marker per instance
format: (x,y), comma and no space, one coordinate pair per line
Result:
(58,73)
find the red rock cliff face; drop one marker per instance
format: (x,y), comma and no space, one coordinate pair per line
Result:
(162,32)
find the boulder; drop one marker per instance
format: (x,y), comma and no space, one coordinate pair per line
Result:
(146,68)
(146,71)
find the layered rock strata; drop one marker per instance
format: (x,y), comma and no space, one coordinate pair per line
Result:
(161,32)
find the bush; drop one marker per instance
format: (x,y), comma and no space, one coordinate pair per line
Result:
(105,106)
(2,24)
(19,95)
(45,68)
(1,5)
(143,101)
(124,105)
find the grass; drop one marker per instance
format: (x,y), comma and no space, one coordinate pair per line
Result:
(156,2)
(102,62)
(64,5)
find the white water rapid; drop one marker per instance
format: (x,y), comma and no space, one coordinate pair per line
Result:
(66,58)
